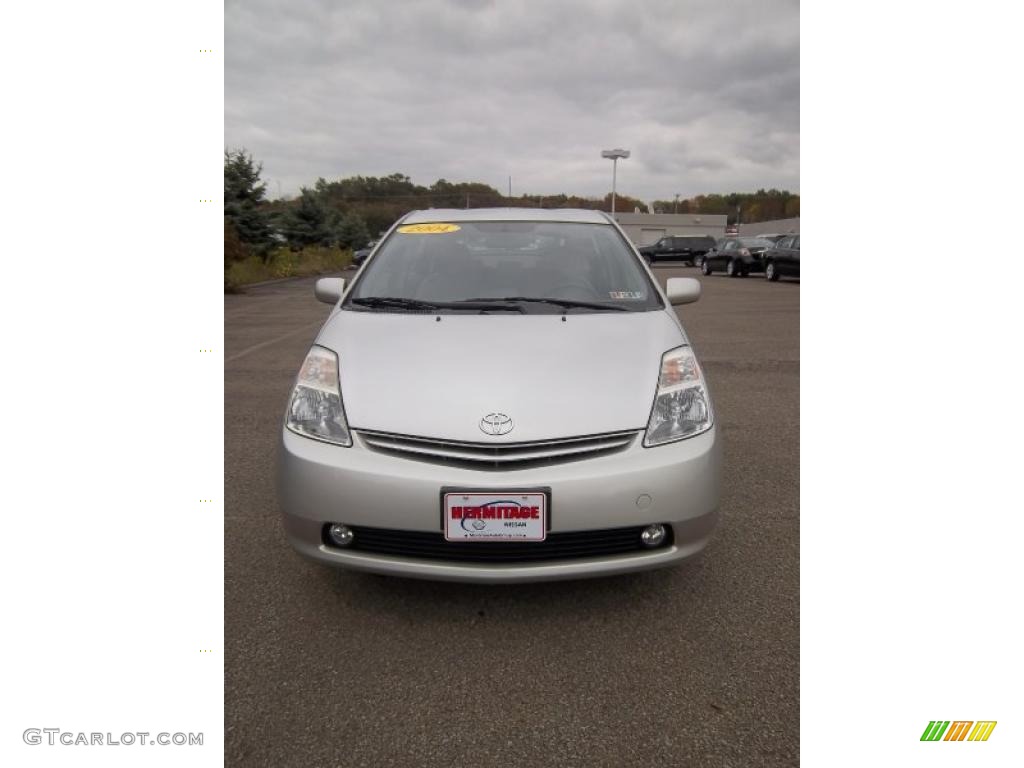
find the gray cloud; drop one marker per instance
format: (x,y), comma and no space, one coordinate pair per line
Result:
(705,94)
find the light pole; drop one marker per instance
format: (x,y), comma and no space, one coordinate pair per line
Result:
(614,155)
(675,206)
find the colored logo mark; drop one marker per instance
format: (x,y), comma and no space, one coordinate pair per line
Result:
(958,730)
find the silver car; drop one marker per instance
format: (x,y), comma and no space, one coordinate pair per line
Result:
(501,395)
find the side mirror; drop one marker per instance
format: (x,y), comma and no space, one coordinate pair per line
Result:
(329,289)
(682,290)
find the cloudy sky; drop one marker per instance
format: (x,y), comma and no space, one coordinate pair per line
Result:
(706,95)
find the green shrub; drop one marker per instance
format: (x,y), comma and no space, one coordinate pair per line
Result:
(283,262)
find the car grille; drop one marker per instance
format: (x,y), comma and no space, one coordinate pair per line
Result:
(497,457)
(557,546)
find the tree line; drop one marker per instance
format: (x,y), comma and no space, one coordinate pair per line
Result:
(348,212)
(254,225)
(740,207)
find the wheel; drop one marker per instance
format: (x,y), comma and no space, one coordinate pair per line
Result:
(769,272)
(732,269)
(705,267)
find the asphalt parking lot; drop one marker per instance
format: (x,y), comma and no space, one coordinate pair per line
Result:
(695,666)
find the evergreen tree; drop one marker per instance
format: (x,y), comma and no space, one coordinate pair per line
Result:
(352,232)
(310,222)
(243,197)
(234,248)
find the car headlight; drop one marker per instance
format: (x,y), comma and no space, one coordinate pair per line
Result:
(682,407)
(315,409)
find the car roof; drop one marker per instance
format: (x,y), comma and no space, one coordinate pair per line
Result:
(574,215)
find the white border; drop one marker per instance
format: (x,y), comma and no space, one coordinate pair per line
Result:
(112,566)
(911,389)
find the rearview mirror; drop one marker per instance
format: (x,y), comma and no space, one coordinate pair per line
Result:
(682,290)
(329,289)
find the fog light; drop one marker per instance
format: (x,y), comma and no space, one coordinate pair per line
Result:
(653,535)
(340,535)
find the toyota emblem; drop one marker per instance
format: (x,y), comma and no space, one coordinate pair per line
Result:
(495,424)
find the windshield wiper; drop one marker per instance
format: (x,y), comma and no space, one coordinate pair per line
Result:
(393,301)
(400,302)
(564,303)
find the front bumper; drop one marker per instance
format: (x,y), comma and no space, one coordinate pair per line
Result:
(320,483)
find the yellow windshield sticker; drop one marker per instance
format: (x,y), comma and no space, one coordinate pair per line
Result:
(428,229)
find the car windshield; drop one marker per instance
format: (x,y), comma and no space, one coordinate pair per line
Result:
(755,242)
(488,266)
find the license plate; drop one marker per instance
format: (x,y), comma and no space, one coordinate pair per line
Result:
(495,516)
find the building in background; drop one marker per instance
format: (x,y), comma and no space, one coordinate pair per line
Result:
(776,227)
(649,228)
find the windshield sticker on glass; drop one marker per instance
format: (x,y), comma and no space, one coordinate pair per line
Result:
(634,295)
(428,229)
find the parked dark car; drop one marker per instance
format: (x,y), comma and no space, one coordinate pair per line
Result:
(358,257)
(783,258)
(678,247)
(737,256)
(699,260)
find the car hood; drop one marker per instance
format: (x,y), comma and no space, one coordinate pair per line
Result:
(413,374)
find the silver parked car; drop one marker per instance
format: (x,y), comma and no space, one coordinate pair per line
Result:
(501,395)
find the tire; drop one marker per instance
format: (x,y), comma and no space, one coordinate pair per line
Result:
(770,273)
(705,268)
(733,269)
